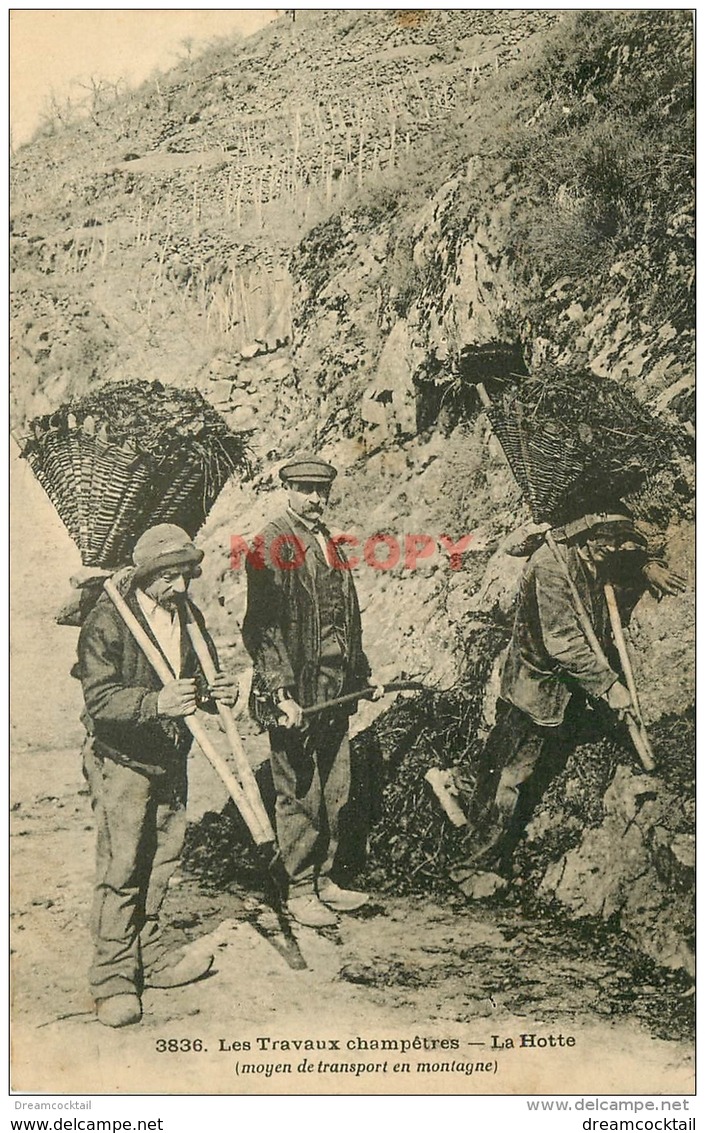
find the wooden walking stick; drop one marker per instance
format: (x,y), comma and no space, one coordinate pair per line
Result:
(583,616)
(620,642)
(260,833)
(645,750)
(242,763)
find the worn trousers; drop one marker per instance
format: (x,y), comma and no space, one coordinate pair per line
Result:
(140,825)
(519,761)
(311,774)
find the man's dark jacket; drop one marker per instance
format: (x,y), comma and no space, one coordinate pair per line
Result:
(549,656)
(282,626)
(120,689)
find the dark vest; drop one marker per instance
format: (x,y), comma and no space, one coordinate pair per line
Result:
(331,604)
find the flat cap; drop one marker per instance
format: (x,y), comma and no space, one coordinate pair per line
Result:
(308,467)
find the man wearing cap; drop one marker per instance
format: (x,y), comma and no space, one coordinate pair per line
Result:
(135,763)
(551,670)
(302,629)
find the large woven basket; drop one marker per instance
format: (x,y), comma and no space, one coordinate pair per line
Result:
(577,443)
(109,486)
(547,463)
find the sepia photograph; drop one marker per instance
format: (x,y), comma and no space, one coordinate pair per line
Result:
(352,557)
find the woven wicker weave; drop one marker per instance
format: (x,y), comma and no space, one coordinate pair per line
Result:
(546,462)
(578,443)
(110,477)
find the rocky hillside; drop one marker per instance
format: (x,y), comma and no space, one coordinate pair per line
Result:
(334,230)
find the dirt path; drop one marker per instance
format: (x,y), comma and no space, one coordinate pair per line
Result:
(412,993)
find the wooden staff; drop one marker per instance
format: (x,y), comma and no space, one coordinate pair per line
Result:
(583,616)
(620,642)
(242,763)
(259,834)
(645,750)
(363,694)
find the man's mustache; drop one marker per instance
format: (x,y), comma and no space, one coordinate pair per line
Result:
(172,599)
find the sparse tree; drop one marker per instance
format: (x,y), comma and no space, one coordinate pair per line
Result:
(97,90)
(119,87)
(55,112)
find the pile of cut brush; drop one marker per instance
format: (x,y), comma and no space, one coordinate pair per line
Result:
(128,456)
(578,443)
(413,845)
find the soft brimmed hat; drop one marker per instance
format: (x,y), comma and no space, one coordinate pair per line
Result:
(309,468)
(164,546)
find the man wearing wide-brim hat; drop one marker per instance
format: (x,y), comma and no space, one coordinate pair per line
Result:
(552,671)
(135,763)
(303,632)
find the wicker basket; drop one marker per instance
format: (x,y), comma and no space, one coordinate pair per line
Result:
(546,463)
(108,489)
(578,444)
